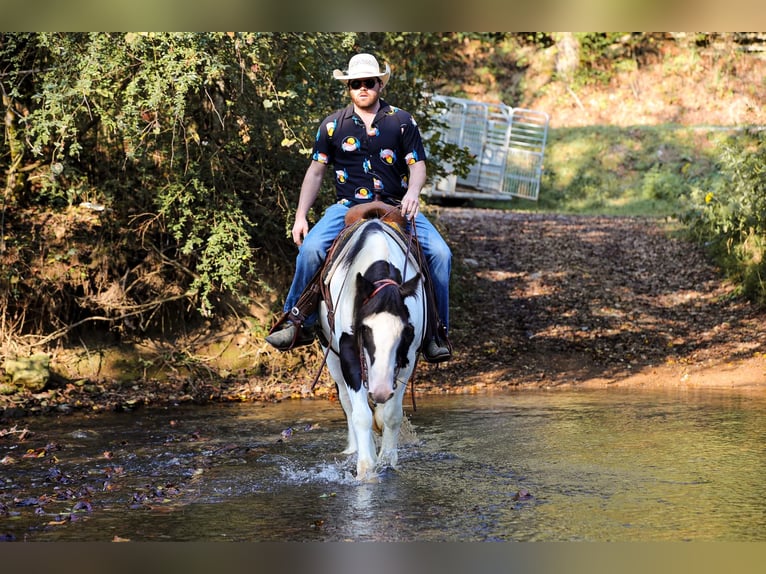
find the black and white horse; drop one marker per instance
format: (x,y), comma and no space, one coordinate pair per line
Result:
(374,323)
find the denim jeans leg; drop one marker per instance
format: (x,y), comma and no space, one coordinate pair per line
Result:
(312,253)
(439,259)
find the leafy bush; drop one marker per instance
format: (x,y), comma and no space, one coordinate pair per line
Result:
(604,53)
(731,217)
(192,145)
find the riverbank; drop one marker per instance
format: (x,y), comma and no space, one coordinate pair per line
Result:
(538,301)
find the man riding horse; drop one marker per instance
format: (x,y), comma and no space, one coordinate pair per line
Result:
(377,154)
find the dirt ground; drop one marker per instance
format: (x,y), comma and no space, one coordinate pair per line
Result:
(554,300)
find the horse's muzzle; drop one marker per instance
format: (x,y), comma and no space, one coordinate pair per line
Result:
(380,398)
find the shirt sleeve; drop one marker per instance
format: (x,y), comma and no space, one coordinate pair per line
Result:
(323,149)
(412,142)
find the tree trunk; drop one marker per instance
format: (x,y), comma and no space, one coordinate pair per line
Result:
(567,55)
(16,153)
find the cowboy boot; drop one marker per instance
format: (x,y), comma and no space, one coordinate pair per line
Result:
(436,352)
(291,335)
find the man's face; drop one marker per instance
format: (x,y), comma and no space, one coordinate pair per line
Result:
(364,92)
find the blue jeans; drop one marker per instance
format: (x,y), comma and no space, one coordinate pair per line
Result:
(313,251)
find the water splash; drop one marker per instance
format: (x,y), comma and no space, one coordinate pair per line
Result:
(332,472)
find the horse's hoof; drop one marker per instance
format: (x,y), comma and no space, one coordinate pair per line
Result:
(369,478)
(366,472)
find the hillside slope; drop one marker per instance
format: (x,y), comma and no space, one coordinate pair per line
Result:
(675,82)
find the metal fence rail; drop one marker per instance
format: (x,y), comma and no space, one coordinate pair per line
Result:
(508,144)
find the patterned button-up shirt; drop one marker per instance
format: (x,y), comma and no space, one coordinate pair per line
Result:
(369,164)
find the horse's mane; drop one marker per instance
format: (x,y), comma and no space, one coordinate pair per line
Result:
(382,269)
(372,226)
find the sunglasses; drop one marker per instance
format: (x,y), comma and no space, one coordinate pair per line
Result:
(368,83)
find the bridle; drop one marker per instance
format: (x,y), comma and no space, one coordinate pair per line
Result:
(379,285)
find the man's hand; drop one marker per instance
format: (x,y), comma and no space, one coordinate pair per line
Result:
(410,204)
(411,199)
(300,229)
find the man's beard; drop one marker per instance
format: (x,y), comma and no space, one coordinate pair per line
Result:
(368,106)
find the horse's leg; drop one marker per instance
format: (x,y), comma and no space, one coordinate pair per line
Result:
(389,417)
(345,402)
(333,366)
(361,419)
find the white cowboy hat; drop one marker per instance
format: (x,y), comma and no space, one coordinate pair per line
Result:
(363,66)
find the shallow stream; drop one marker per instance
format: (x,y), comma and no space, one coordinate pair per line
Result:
(612,465)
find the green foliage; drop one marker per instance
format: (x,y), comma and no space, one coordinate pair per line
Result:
(642,170)
(195,144)
(662,184)
(595,49)
(603,53)
(730,217)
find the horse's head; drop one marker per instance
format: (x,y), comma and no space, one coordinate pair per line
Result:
(384,333)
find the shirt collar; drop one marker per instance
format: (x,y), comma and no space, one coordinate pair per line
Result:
(348,112)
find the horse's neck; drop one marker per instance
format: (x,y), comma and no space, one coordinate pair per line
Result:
(339,277)
(336,256)
(376,247)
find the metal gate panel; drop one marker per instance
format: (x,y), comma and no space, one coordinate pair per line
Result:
(526,148)
(508,145)
(491,162)
(474,136)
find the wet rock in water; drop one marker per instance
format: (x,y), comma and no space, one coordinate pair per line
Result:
(522,494)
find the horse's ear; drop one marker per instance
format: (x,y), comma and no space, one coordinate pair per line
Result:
(410,287)
(364,287)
